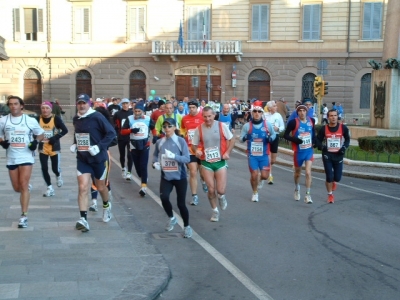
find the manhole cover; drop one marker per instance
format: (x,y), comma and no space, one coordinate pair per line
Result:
(163,236)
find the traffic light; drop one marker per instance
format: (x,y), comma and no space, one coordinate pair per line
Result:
(324,88)
(318,86)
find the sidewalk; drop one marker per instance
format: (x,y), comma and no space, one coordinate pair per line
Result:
(52,260)
(367,170)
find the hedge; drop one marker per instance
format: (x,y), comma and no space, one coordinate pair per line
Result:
(380,144)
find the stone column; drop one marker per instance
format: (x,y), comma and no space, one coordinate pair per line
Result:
(391,40)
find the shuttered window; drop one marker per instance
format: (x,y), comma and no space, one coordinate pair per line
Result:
(137,23)
(260,22)
(198,15)
(311,22)
(372,21)
(28,24)
(82,24)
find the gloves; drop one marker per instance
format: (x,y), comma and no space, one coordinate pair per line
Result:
(298,141)
(33,145)
(5,144)
(247,137)
(342,150)
(135,130)
(52,140)
(169,154)
(73,148)
(94,150)
(157,166)
(324,149)
(154,140)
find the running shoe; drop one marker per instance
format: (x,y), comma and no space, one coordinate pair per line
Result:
(215,216)
(222,202)
(187,232)
(195,200)
(334,186)
(307,199)
(93,207)
(60,182)
(30,187)
(23,222)
(260,184)
(271,179)
(331,198)
(49,192)
(254,198)
(296,195)
(107,213)
(171,223)
(142,191)
(123,173)
(82,225)
(129,176)
(205,187)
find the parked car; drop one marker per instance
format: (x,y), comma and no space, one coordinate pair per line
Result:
(4,110)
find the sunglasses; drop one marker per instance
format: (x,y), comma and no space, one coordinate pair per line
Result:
(167,126)
(258,111)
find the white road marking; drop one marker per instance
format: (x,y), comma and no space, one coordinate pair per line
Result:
(246,281)
(322,179)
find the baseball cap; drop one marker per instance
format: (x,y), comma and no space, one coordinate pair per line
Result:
(170,121)
(193,102)
(124,100)
(83,98)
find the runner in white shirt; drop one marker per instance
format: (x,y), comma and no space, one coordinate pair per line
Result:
(16,136)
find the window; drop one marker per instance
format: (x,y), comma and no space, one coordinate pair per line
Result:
(372,21)
(137,23)
(260,22)
(365,91)
(28,24)
(81,24)
(199,17)
(307,87)
(311,22)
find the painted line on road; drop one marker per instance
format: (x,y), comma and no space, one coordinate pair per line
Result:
(239,275)
(322,179)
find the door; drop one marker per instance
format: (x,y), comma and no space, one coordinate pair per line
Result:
(32,90)
(185,87)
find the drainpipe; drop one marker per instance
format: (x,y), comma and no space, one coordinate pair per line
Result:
(48,44)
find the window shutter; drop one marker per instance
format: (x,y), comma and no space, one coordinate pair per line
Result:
(376,20)
(30,20)
(193,23)
(141,24)
(86,22)
(17,24)
(137,24)
(132,23)
(316,22)
(82,24)
(40,21)
(264,17)
(207,22)
(367,21)
(255,26)
(306,22)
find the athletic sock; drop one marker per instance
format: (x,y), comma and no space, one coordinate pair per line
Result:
(83,214)
(297,187)
(105,204)
(308,191)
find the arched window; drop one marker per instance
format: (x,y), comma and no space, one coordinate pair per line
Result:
(84,83)
(137,85)
(365,91)
(33,90)
(259,85)
(307,87)
(83,74)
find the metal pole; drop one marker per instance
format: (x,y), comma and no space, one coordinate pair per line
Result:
(208,83)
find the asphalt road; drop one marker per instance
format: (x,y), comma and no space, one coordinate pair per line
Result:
(278,248)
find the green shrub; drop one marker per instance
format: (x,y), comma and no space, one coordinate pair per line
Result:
(380,144)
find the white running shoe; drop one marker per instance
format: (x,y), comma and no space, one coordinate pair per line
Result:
(60,182)
(23,222)
(93,207)
(215,216)
(129,176)
(195,200)
(82,225)
(222,202)
(107,213)
(271,179)
(260,184)
(296,195)
(187,232)
(307,199)
(49,192)
(171,223)
(143,191)
(254,198)
(123,173)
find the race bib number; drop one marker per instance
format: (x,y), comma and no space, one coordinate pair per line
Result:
(190,135)
(306,137)
(18,139)
(48,134)
(212,154)
(82,141)
(256,148)
(168,164)
(333,144)
(143,130)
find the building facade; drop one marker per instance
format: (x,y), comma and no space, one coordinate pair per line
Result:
(264,49)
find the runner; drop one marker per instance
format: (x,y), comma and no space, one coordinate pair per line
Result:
(275,119)
(140,126)
(54,129)
(93,135)
(170,156)
(258,133)
(189,124)
(169,113)
(16,136)
(301,133)
(213,142)
(333,139)
(121,124)
(226,117)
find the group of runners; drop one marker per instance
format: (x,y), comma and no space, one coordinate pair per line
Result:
(193,143)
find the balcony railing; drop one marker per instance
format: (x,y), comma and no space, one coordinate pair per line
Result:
(197,47)
(3,54)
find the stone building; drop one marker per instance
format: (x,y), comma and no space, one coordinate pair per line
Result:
(265,49)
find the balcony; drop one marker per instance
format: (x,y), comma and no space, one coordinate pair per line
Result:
(196,47)
(3,54)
